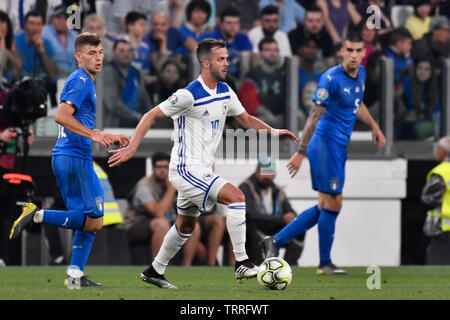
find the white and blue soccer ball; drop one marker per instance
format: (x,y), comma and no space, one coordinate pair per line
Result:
(274,274)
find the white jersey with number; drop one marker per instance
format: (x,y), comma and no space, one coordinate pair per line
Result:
(199,115)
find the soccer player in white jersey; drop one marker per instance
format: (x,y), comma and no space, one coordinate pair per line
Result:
(199,112)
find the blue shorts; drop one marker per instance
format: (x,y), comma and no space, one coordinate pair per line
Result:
(79,185)
(327,161)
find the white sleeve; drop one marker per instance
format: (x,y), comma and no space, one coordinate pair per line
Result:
(177,104)
(235,107)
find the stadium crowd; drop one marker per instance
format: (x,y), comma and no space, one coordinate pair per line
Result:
(147,46)
(151,60)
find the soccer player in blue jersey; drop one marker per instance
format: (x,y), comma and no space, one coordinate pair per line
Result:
(72,161)
(338,102)
(199,112)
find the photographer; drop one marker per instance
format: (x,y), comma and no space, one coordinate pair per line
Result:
(8,196)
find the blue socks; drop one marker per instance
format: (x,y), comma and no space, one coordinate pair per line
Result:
(64,219)
(81,247)
(304,221)
(326,220)
(326,225)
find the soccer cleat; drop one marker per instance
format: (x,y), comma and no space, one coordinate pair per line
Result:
(71,282)
(268,248)
(330,268)
(25,220)
(245,270)
(152,277)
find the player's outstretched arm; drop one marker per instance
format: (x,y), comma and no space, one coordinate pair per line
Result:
(250,122)
(64,117)
(124,154)
(377,135)
(296,160)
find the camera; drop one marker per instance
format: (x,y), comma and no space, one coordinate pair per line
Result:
(26,101)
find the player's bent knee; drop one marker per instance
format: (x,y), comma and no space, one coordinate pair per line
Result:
(186,225)
(93,224)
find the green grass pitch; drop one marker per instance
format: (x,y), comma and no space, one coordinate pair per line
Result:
(218,283)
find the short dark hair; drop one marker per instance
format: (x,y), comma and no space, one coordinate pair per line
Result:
(116,43)
(264,41)
(202,5)
(399,34)
(205,46)
(306,40)
(313,8)
(134,16)
(86,38)
(158,156)
(270,9)
(354,36)
(229,12)
(34,13)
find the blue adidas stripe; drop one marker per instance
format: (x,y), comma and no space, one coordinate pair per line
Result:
(211,100)
(181,158)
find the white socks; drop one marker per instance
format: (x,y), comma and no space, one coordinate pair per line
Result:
(172,243)
(38,216)
(235,221)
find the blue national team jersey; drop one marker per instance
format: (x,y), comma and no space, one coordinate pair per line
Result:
(342,96)
(79,92)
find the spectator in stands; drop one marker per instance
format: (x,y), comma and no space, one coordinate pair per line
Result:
(62,41)
(372,90)
(126,99)
(263,92)
(313,26)
(338,15)
(96,24)
(440,8)
(308,77)
(399,52)
(326,63)
(248,11)
(291,12)
(421,94)
(197,15)
(164,41)
(136,27)
(119,10)
(435,44)
(238,44)
(152,210)
(419,23)
(270,28)
(370,36)
(268,211)
(169,80)
(18,9)
(10,60)
(383,14)
(37,53)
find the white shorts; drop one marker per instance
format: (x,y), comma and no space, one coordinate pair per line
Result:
(197,189)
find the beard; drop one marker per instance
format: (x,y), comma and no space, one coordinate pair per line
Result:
(264,183)
(217,75)
(268,33)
